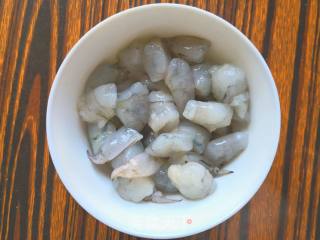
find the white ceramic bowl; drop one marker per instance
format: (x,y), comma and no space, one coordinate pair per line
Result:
(89,185)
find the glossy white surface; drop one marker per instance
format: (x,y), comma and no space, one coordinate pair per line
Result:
(89,185)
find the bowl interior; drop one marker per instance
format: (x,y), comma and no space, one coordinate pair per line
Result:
(89,185)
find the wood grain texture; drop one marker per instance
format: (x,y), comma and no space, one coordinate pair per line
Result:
(35,36)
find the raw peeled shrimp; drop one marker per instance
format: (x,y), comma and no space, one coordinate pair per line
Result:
(227,82)
(104,73)
(127,154)
(192,180)
(135,189)
(163,116)
(141,165)
(131,58)
(211,115)
(240,104)
(155,60)
(163,113)
(114,144)
(202,80)
(133,106)
(222,150)
(180,82)
(97,105)
(191,49)
(167,143)
(98,135)
(200,136)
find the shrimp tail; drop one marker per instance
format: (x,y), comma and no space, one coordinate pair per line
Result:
(218,172)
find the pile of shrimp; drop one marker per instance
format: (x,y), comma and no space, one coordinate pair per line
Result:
(165,118)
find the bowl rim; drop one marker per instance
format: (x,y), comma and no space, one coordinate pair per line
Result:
(57,163)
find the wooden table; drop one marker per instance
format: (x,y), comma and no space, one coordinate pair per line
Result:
(34,38)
